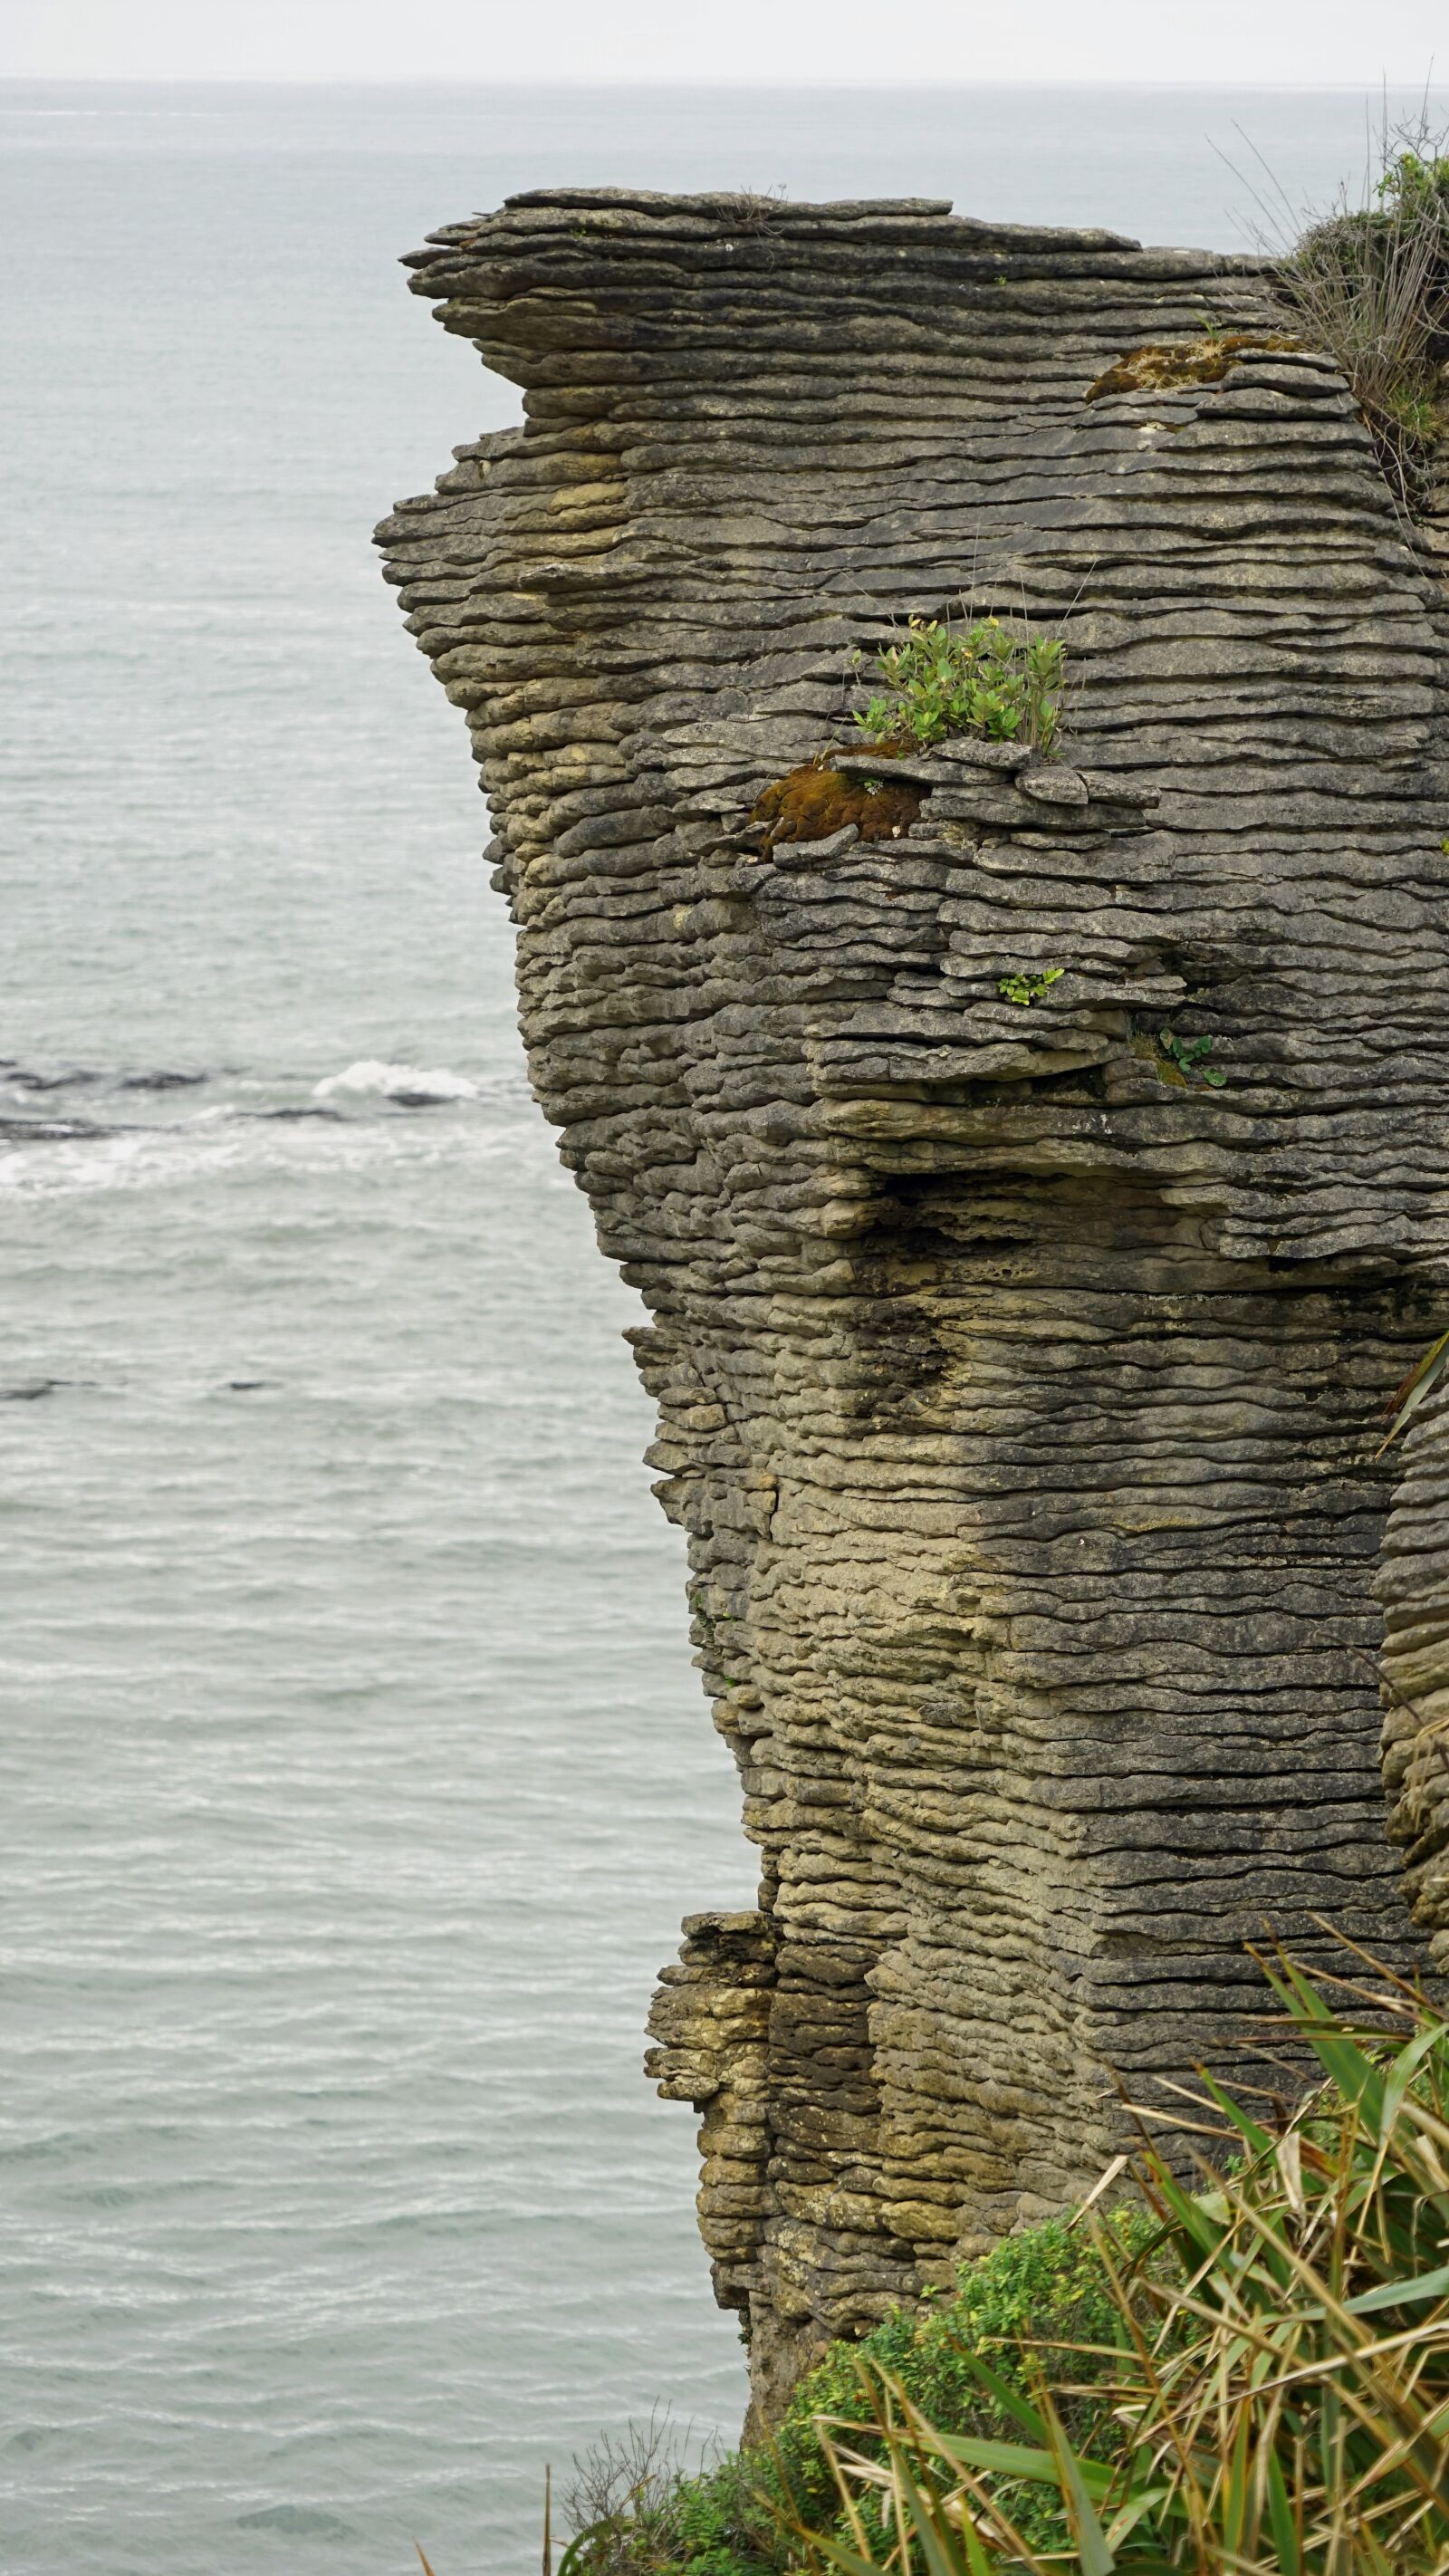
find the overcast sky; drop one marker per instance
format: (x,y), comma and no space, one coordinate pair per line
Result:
(746,41)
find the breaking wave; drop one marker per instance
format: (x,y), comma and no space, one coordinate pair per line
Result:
(407,1084)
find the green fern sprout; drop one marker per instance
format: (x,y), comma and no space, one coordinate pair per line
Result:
(1026,989)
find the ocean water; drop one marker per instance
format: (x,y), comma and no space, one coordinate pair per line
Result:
(353,1773)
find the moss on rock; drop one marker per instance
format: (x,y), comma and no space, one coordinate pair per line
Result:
(1164,367)
(810,803)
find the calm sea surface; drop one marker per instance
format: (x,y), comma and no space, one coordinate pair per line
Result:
(353,1773)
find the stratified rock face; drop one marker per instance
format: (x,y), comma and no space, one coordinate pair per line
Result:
(1414,1589)
(1013,1388)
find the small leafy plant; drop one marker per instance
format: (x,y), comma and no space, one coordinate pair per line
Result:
(1001,681)
(1026,989)
(1413,185)
(1189,1055)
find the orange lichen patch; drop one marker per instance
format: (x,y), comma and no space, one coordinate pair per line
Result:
(1159,368)
(811,803)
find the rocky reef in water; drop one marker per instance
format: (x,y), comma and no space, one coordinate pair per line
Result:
(1016,1384)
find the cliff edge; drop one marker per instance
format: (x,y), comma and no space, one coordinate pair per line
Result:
(1013,1379)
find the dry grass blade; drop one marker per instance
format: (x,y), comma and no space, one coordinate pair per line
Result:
(1415,1390)
(936,2512)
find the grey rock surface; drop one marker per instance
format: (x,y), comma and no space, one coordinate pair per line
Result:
(1016,1391)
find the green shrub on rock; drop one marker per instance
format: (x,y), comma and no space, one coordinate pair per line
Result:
(1049,2282)
(994,679)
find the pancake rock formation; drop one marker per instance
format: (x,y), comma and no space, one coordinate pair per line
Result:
(1016,1382)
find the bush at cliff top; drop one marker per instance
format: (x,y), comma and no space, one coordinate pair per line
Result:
(1371,285)
(1048,2282)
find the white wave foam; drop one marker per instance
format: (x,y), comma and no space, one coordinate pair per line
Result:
(398,1082)
(296,1150)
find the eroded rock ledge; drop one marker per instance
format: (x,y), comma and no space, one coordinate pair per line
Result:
(1014,1398)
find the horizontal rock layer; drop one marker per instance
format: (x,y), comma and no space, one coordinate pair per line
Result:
(1013,1386)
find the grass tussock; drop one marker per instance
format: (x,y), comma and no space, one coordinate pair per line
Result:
(636,2513)
(1368,282)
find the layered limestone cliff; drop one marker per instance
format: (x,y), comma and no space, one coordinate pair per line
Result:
(1015,1389)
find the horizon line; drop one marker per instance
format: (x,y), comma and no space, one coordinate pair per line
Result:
(704,83)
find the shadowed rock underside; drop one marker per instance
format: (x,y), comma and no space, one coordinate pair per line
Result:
(1013,1386)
